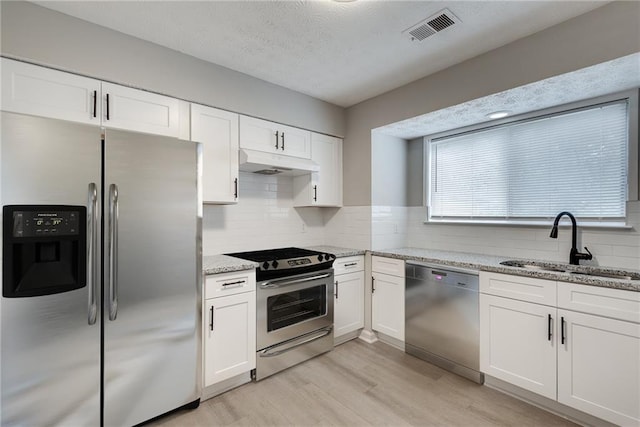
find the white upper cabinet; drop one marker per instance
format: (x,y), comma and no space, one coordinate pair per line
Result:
(262,135)
(217,130)
(323,188)
(140,111)
(39,91)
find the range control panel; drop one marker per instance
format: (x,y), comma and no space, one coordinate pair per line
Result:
(45,223)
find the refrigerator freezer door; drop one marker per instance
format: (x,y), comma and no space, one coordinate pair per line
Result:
(151,291)
(50,353)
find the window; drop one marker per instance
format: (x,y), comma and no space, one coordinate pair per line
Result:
(532,169)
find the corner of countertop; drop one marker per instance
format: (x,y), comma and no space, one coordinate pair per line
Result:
(338,251)
(214,264)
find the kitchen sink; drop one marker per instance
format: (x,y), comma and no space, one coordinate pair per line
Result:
(588,271)
(624,276)
(532,265)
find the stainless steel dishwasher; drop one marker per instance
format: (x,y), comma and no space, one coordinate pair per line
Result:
(442,318)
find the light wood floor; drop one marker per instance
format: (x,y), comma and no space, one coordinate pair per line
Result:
(360,384)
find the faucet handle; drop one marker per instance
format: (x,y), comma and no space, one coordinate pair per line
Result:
(586,256)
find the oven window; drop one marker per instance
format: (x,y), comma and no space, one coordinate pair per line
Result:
(294,307)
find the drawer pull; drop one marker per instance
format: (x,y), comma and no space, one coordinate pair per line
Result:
(351,264)
(238,282)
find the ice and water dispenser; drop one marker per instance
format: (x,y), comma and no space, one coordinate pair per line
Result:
(44,249)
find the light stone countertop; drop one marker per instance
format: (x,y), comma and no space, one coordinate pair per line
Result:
(337,251)
(214,264)
(492,263)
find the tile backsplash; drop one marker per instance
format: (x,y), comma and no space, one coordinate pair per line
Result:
(265,218)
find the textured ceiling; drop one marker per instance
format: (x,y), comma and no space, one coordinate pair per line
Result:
(621,74)
(342,53)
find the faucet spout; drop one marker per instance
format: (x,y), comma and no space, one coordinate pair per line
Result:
(574,255)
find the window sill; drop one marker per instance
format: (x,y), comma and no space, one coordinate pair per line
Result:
(587,224)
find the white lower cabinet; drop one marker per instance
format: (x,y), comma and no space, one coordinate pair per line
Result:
(599,367)
(583,351)
(387,298)
(348,295)
(229,326)
(515,343)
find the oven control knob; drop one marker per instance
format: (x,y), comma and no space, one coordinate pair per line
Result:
(320,257)
(274,264)
(265,265)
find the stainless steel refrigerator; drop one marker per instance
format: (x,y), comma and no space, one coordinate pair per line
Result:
(101,261)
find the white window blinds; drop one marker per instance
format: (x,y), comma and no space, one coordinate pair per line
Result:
(574,161)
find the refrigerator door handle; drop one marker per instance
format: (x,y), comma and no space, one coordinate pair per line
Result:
(113,251)
(92,226)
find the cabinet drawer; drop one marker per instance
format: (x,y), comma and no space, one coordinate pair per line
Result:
(348,265)
(609,302)
(217,285)
(392,266)
(529,289)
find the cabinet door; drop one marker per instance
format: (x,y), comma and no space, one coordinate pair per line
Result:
(517,343)
(295,142)
(599,367)
(263,135)
(217,130)
(44,92)
(323,188)
(348,303)
(387,305)
(256,134)
(140,111)
(229,337)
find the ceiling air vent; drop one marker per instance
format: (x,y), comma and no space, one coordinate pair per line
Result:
(433,24)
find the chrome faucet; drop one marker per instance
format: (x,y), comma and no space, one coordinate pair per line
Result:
(574,255)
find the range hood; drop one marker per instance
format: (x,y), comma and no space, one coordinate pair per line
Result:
(272,163)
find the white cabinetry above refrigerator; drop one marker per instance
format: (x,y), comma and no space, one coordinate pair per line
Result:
(39,91)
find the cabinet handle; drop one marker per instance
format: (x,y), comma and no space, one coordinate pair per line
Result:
(235,191)
(107,106)
(277,135)
(95,103)
(315,193)
(336,289)
(549,333)
(373,284)
(237,282)
(562,336)
(211,321)
(282,141)
(351,264)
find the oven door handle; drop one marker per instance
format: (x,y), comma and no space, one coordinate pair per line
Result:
(295,343)
(280,283)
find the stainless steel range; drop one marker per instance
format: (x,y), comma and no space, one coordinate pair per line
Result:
(294,306)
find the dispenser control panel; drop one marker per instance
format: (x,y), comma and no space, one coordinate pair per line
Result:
(45,223)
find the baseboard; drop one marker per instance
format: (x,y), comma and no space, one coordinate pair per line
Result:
(368,336)
(226,385)
(547,404)
(346,337)
(393,342)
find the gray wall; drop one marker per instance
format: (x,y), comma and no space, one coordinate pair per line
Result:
(415,172)
(601,35)
(389,170)
(42,36)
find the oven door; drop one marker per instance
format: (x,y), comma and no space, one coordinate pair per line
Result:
(293,306)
